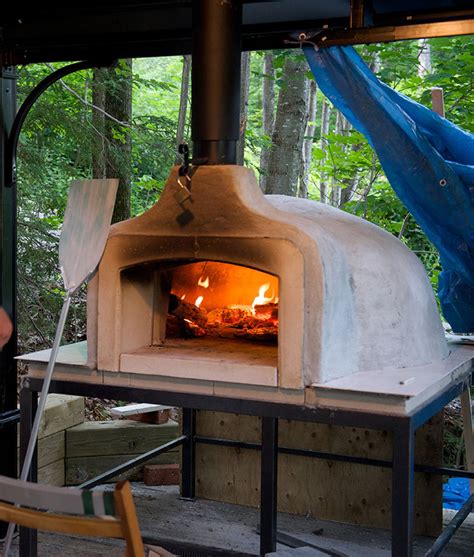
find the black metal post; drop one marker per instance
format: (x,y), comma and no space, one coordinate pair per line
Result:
(28,406)
(215,101)
(403,492)
(8,387)
(269,486)
(188,455)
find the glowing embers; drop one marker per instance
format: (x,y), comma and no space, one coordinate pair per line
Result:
(222,300)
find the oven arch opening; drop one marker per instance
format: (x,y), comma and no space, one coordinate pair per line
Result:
(203,319)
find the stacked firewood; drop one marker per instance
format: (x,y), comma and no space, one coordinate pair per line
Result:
(186,320)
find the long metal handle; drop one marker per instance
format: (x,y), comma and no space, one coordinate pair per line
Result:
(39,413)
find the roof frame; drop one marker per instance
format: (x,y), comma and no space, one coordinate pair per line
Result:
(163,28)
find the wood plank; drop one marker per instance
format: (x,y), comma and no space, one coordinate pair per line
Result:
(318,488)
(117,437)
(80,469)
(52,474)
(84,526)
(139,408)
(71,354)
(61,412)
(407,382)
(51,449)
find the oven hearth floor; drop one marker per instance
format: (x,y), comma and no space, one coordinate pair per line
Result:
(163,516)
(208,358)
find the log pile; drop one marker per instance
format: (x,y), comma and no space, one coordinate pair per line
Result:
(186,320)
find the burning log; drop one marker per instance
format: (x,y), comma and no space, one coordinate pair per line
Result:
(227,315)
(184,310)
(186,320)
(267,311)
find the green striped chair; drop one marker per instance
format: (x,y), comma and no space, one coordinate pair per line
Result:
(73,511)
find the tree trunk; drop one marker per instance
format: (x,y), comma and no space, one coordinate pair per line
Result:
(325,119)
(183,104)
(290,125)
(118,103)
(268,110)
(98,100)
(424,59)
(308,140)
(348,192)
(244,102)
(336,189)
(342,191)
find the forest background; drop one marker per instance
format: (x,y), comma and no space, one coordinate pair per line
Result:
(127,121)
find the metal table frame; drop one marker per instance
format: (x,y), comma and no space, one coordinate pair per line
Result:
(402,464)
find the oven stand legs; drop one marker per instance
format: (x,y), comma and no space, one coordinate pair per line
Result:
(403,481)
(188,463)
(269,486)
(28,405)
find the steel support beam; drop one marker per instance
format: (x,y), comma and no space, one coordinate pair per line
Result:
(8,386)
(269,486)
(188,455)
(403,452)
(403,489)
(28,406)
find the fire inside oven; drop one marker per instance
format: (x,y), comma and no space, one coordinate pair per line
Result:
(209,299)
(202,320)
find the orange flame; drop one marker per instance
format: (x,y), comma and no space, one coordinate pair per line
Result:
(203,282)
(261,298)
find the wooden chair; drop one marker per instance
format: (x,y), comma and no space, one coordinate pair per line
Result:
(73,511)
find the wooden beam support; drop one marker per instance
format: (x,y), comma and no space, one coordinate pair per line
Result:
(395,33)
(357,14)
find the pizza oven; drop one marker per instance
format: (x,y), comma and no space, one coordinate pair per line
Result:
(231,285)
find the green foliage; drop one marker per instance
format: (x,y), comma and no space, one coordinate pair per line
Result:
(346,156)
(56,146)
(58,141)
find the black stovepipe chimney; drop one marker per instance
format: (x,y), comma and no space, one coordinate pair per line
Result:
(215,103)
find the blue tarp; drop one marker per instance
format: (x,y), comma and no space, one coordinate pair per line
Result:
(428,161)
(455,493)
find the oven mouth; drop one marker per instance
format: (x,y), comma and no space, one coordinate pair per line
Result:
(222,300)
(211,320)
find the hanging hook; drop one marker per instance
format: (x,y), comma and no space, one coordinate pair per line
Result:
(312,38)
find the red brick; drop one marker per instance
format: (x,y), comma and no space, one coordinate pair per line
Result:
(161,474)
(160,417)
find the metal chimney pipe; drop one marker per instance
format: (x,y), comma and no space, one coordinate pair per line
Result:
(215,102)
